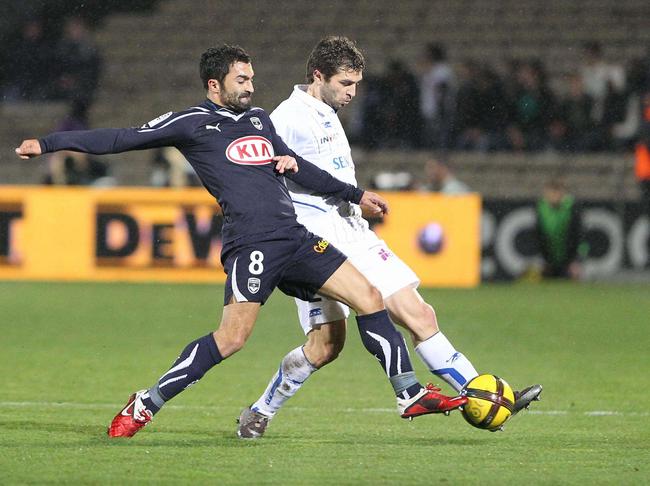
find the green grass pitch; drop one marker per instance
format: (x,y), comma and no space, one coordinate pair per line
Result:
(70,354)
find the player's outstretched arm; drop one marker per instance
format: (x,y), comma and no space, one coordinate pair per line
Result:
(28,149)
(176,131)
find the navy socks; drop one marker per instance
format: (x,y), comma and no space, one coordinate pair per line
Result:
(382,340)
(194,361)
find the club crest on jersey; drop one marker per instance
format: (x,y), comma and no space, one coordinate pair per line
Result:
(256,122)
(321,246)
(253,285)
(251,150)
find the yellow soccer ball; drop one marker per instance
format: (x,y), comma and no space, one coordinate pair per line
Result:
(490,402)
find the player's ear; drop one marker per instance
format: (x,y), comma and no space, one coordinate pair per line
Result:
(214,86)
(318,75)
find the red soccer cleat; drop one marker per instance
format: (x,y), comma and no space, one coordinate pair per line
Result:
(131,418)
(429,401)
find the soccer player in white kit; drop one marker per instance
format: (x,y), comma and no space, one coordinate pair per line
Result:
(308,123)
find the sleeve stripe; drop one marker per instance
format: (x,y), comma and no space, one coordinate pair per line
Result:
(171,121)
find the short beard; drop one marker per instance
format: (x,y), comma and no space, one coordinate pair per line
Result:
(234,103)
(329,98)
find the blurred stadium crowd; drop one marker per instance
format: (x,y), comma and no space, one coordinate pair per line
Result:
(70,62)
(440,90)
(471,105)
(444,104)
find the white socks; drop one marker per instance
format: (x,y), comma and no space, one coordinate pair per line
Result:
(436,352)
(293,371)
(443,360)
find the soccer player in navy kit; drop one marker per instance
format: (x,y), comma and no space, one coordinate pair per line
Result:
(242,162)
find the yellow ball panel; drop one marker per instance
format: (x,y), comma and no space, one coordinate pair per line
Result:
(477,409)
(484,382)
(499,419)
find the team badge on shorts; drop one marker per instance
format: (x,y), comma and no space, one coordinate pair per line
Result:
(321,246)
(253,285)
(256,122)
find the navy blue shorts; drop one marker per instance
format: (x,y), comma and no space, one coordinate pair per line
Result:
(294,260)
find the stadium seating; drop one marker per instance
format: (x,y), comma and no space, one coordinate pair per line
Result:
(151,67)
(510,175)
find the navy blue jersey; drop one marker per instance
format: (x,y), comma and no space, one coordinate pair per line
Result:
(232,155)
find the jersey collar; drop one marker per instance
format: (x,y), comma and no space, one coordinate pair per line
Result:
(223,111)
(212,105)
(300,92)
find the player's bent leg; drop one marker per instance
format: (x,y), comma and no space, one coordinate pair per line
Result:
(378,333)
(237,323)
(292,373)
(324,343)
(349,286)
(382,340)
(407,308)
(195,360)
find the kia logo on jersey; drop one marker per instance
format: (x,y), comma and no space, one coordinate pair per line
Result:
(251,150)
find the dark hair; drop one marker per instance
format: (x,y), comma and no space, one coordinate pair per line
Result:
(216,61)
(436,52)
(332,54)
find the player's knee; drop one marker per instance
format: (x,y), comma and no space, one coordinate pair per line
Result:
(239,339)
(229,343)
(322,353)
(329,352)
(372,301)
(420,320)
(429,316)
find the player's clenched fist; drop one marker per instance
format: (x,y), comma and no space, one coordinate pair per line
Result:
(373,203)
(29,148)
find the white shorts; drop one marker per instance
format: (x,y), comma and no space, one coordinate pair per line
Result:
(371,256)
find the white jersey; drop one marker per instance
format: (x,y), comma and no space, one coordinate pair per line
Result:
(312,129)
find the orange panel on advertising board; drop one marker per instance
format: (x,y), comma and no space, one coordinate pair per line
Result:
(175,235)
(437,236)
